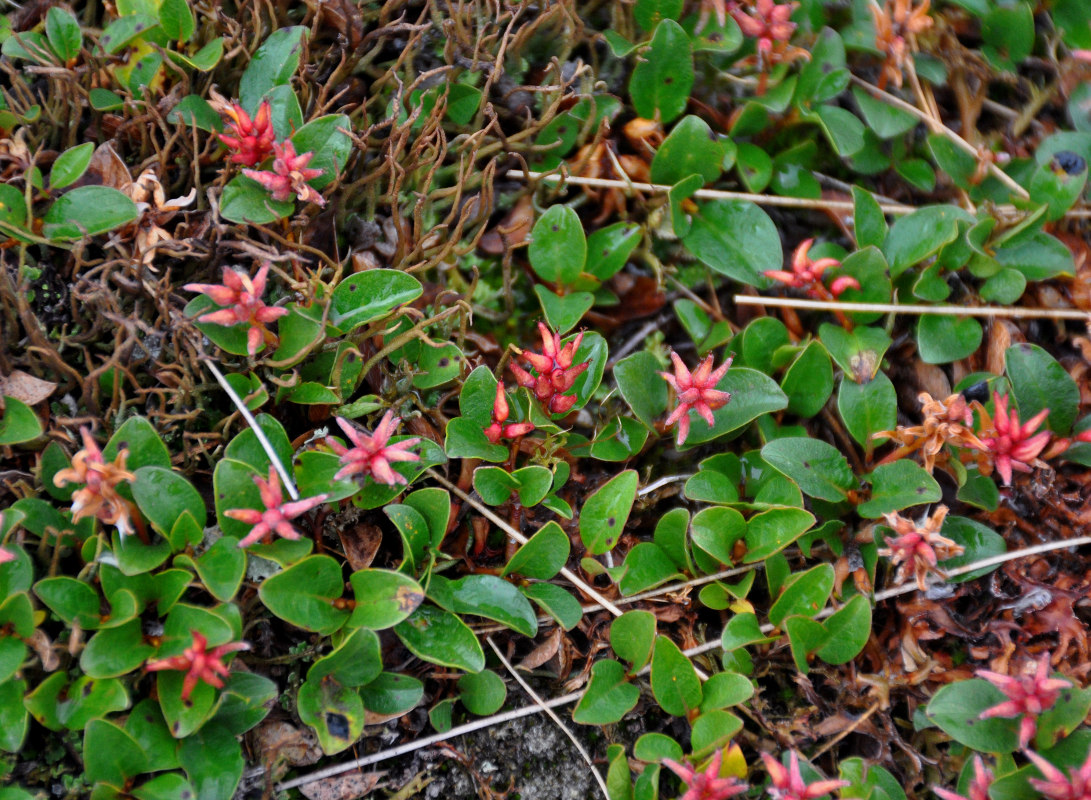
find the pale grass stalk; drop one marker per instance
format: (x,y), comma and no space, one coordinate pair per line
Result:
(487,512)
(285,476)
(940,128)
(705,194)
(886,594)
(551,714)
(896,308)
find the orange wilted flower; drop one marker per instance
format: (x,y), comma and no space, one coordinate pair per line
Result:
(918,546)
(893,22)
(98,498)
(945,422)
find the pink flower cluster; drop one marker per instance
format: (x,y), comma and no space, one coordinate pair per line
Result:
(241,297)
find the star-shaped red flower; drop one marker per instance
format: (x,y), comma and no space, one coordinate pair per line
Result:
(498,429)
(556,373)
(979,787)
(251,140)
(373,452)
(199,663)
(241,295)
(289,176)
(788,783)
(707,785)
(1077,786)
(1008,442)
(696,391)
(806,274)
(1028,696)
(274,519)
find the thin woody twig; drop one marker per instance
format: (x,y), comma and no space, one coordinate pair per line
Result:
(896,308)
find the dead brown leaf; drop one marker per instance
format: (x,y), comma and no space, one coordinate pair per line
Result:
(279,741)
(543,652)
(25,387)
(342,787)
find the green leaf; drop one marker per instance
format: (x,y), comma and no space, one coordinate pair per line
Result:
(72,600)
(87,211)
(868,408)
(608,697)
(805,594)
(72,163)
(1037,255)
(726,689)
(305,595)
(632,636)
(646,396)
(956,708)
(647,565)
(809,381)
(661,82)
(125,30)
(274,64)
(691,148)
(246,700)
(819,469)
(942,338)
(558,247)
(771,531)
(675,684)
(543,556)
(805,638)
(843,128)
(14,719)
(716,530)
(978,542)
(849,629)
(1039,382)
(19,423)
(213,762)
(858,352)
(367,296)
(195,111)
(204,59)
(483,693)
(712,731)
(556,602)
(383,598)
(869,780)
(246,202)
(605,512)
(900,484)
(220,568)
(114,652)
(649,13)
(163,495)
(563,312)
(440,637)
(176,20)
(326,137)
(110,754)
(486,596)
(735,238)
(922,234)
(391,694)
(335,712)
(885,120)
(609,248)
(65,37)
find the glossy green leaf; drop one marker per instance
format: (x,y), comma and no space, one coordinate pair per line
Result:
(868,407)
(605,512)
(956,708)
(819,469)
(808,382)
(675,684)
(771,531)
(19,423)
(543,556)
(87,211)
(632,636)
(558,247)
(921,234)
(849,629)
(383,598)
(691,148)
(73,162)
(305,594)
(483,693)
(661,81)
(1039,382)
(110,754)
(213,762)
(942,338)
(440,637)
(735,238)
(556,602)
(646,397)
(608,697)
(273,64)
(898,485)
(978,542)
(486,596)
(805,594)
